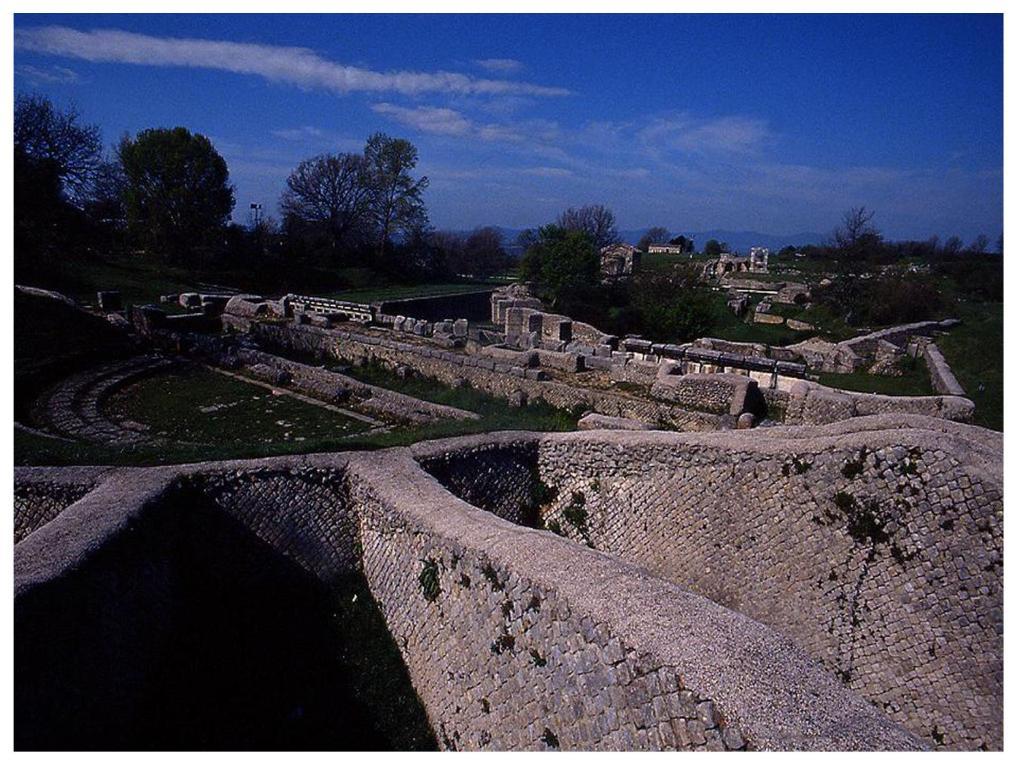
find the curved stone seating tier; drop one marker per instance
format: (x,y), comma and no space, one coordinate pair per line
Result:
(680,607)
(74,408)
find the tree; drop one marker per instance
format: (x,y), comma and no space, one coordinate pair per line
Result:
(685,243)
(396,199)
(485,253)
(857,238)
(563,264)
(651,236)
(176,189)
(330,194)
(596,221)
(953,246)
(713,248)
(51,142)
(980,244)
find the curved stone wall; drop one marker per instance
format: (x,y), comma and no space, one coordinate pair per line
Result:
(514,638)
(874,544)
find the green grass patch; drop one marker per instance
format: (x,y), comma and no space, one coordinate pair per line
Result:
(245,422)
(914,381)
(974,350)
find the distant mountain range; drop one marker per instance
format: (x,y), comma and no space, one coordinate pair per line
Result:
(738,241)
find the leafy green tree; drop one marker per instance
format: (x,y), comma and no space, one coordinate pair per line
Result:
(177,194)
(396,198)
(563,265)
(670,309)
(714,248)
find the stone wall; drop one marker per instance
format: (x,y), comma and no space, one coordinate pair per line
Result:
(41,494)
(482,372)
(942,377)
(811,403)
(514,638)
(878,551)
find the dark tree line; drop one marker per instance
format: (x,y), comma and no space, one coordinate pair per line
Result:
(166,194)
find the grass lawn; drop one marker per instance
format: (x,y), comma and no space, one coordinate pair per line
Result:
(974,350)
(223,418)
(205,416)
(392,292)
(914,381)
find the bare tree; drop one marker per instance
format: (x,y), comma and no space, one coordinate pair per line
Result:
(855,227)
(330,192)
(953,246)
(651,236)
(597,221)
(396,200)
(980,244)
(44,135)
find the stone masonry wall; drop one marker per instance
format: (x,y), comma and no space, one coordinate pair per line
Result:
(41,495)
(878,552)
(514,638)
(811,403)
(482,372)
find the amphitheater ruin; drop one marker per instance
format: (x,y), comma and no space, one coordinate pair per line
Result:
(727,555)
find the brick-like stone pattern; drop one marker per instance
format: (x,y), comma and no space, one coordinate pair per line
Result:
(502,479)
(74,407)
(880,554)
(302,513)
(41,496)
(514,638)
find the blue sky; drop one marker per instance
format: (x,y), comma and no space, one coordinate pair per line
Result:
(769,123)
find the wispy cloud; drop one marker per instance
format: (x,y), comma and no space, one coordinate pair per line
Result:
(443,121)
(313,136)
(500,66)
(43,75)
(280,64)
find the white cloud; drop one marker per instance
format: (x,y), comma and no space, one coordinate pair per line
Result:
(313,136)
(437,120)
(42,75)
(444,121)
(500,66)
(548,172)
(280,64)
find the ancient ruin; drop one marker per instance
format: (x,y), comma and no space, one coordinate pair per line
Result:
(728,555)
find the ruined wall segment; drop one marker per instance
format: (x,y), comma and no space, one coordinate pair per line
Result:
(879,551)
(513,637)
(518,639)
